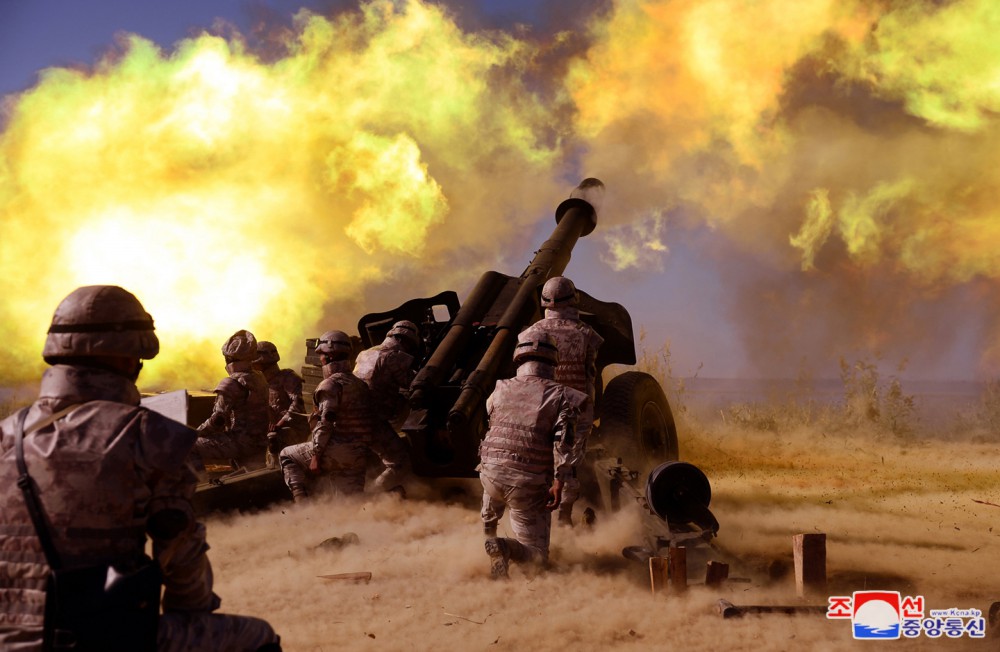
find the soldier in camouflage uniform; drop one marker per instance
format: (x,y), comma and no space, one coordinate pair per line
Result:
(237,428)
(578,344)
(109,473)
(287,423)
(342,436)
(527,453)
(387,368)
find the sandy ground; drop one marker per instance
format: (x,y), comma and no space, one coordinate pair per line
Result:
(899,515)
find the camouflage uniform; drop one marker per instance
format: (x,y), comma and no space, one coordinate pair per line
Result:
(284,396)
(238,426)
(341,438)
(578,345)
(387,369)
(286,422)
(108,473)
(530,441)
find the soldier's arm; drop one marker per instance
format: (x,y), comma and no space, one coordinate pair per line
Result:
(297,403)
(228,394)
(178,538)
(329,402)
(565,451)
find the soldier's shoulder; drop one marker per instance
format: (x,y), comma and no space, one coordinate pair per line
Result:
(289,376)
(151,423)
(575,396)
(398,356)
(335,382)
(231,388)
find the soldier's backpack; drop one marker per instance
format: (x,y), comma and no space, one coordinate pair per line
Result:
(91,608)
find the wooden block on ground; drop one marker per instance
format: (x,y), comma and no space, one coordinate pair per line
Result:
(677,560)
(810,564)
(716,573)
(658,574)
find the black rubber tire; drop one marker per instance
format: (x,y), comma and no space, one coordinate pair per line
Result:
(636,421)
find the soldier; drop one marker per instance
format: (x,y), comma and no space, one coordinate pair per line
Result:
(344,428)
(287,424)
(527,453)
(237,428)
(107,473)
(387,368)
(578,344)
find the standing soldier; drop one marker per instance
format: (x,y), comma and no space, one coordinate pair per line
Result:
(106,474)
(527,453)
(387,368)
(237,428)
(286,420)
(342,434)
(578,344)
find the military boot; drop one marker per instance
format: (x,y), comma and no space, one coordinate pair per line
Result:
(499,554)
(566,515)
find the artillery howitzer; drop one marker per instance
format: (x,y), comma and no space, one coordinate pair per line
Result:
(468,347)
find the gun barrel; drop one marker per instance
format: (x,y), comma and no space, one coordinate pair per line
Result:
(575,217)
(458,335)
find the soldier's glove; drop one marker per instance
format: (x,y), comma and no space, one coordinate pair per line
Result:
(314,464)
(555,495)
(273,443)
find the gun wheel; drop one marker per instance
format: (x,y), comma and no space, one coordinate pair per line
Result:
(636,421)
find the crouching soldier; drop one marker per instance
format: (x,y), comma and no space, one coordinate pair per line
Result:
(527,453)
(87,474)
(387,368)
(237,428)
(287,421)
(345,423)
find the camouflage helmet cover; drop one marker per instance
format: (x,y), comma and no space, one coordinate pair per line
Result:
(267,353)
(334,343)
(559,292)
(407,331)
(241,345)
(98,320)
(536,344)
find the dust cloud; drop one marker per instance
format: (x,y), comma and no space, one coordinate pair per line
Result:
(898,516)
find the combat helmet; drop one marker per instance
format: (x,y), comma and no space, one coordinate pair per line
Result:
(536,344)
(241,346)
(407,332)
(559,292)
(100,320)
(267,353)
(336,344)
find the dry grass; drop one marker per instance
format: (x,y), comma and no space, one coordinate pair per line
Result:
(900,514)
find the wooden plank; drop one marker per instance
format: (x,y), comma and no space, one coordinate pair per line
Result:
(677,560)
(810,564)
(658,574)
(363,576)
(727,609)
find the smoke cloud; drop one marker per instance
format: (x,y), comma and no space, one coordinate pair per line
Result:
(840,154)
